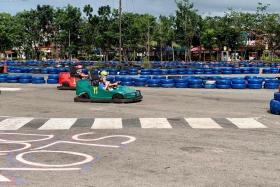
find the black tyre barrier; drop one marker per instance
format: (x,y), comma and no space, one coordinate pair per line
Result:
(52,81)
(3,80)
(275,107)
(195,86)
(255,86)
(24,81)
(12,81)
(181,85)
(223,86)
(39,81)
(238,86)
(271,85)
(277,96)
(210,86)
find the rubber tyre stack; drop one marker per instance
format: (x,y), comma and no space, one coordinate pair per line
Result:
(271,84)
(12,78)
(195,83)
(3,78)
(275,107)
(255,83)
(223,84)
(238,83)
(25,79)
(153,83)
(38,80)
(167,83)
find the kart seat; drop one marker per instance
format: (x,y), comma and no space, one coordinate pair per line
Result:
(94,79)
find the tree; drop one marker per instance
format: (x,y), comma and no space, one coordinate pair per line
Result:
(187,25)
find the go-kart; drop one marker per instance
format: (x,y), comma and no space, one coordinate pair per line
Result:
(66,81)
(86,92)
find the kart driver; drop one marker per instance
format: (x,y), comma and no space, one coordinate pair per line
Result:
(77,71)
(106,85)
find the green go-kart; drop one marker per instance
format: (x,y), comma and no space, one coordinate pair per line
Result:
(86,92)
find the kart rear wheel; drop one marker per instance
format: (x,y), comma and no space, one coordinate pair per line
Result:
(82,98)
(65,84)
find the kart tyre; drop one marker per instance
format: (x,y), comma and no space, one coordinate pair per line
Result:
(82,98)
(37,78)
(12,77)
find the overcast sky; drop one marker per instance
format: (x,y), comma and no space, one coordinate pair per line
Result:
(155,7)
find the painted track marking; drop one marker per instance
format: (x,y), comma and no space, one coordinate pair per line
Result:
(247,123)
(155,123)
(58,124)
(107,123)
(14,123)
(4,179)
(203,123)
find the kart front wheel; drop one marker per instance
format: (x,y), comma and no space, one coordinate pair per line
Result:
(118,98)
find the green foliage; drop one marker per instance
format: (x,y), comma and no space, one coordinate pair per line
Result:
(95,35)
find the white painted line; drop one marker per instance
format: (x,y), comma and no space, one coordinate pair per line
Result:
(247,123)
(58,124)
(77,138)
(10,89)
(88,158)
(4,179)
(155,123)
(48,137)
(107,123)
(14,123)
(39,169)
(203,123)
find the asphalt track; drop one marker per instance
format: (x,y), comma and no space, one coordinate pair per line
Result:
(177,156)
